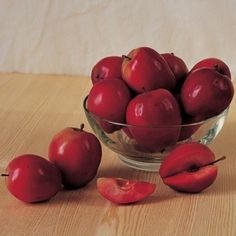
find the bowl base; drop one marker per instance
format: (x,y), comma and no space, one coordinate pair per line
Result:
(153,165)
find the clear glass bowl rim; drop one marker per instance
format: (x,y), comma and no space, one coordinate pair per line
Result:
(153,127)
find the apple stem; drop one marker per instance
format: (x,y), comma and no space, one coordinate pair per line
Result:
(195,168)
(216,66)
(82,127)
(126,57)
(4,174)
(217,160)
(218,69)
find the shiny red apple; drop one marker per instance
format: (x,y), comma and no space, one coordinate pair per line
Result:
(155,119)
(144,69)
(107,68)
(108,99)
(177,65)
(206,92)
(213,63)
(31,178)
(77,154)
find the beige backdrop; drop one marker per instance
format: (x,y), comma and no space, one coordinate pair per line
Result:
(68,37)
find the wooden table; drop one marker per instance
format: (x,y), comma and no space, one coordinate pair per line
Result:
(35,107)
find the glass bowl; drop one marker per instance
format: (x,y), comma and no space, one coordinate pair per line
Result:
(131,143)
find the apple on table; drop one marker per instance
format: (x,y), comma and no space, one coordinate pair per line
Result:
(189,168)
(77,154)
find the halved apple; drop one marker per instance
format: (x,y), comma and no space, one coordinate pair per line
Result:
(189,168)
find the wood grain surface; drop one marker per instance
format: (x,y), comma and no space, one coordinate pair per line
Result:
(35,107)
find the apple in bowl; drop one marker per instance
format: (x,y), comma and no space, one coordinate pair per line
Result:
(160,105)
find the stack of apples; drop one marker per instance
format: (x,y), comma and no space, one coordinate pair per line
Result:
(156,93)
(74,156)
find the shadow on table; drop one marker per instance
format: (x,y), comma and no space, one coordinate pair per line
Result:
(224,145)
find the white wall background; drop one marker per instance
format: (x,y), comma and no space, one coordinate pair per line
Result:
(69,37)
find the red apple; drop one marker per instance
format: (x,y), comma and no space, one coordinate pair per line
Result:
(189,168)
(107,68)
(192,181)
(77,154)
(213,63)
(31,178)
(177,65)
(190,124)
(123,191)
(206,92)
(155,116)
(108,99)
(144,69)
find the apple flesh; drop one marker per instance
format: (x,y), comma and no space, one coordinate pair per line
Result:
(192,181)
(77,154)
(152,114)
(107,68)
(124,191)
(189,168)
(206,92)
(144,69)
